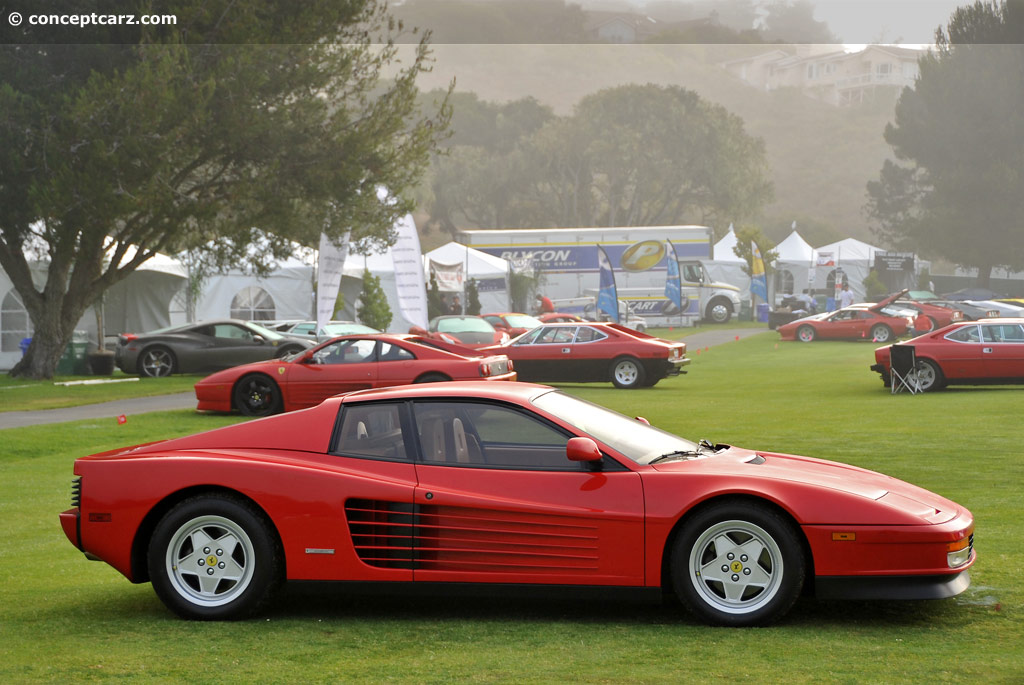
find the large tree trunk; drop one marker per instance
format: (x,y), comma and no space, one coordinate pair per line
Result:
(985,276)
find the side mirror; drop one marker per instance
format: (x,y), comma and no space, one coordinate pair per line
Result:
(582,449)
(258,339)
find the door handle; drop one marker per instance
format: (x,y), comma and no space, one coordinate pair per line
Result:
(566,350)
(986,350)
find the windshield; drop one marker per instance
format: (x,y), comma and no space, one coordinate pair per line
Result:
(636,440)
(522,321)
(347,329)
(456,325)
(265,332)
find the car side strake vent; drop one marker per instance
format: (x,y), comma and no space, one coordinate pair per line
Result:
(76,492)
(438,538)
(382,532)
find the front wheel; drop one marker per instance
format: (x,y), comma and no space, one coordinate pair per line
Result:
(258,395)
(214,558)
(719,311)
(929,375)
(738,564)
(805,334)
(627,372)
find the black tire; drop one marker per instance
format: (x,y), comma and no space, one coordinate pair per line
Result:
(738,564)
(215,557)
(627,372)
(719,310)
(806,334)
(432,378)
(157,361)
(880,333)
(257,395)
(929,376)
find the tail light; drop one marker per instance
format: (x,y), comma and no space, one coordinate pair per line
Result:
(126,338)
(510,366)
(957,316)
(485,369)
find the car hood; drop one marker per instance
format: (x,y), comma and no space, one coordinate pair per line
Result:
(271,367)
(894,500)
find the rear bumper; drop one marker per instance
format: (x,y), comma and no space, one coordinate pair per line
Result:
(69,521)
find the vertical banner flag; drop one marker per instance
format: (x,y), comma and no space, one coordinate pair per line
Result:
(758,279)
(673,286)
(409,279)
(330,261)
(607,296)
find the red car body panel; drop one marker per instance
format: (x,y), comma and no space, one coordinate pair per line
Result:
(991,351)
(570,526)
(306,384)
(548,356)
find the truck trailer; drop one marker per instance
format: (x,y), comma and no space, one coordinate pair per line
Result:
(567,261)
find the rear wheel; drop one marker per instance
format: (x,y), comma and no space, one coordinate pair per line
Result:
(432,378)
(157,362)
(627,372)
(929,375)
(214,558)
(805,334)
(258,395)
(881,333)
(738,564)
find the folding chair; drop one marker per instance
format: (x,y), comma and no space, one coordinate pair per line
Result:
(903,369)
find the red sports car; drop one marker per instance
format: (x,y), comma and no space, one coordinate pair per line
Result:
(511,323)
(344,364)
(469,331)
(448,484)
(559,317)
(969,353)
(594,352)
(879,322)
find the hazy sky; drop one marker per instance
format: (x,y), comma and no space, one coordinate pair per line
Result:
(869,21)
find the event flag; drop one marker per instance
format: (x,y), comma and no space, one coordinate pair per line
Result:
(330,261)
(673,286)
(758,280)
(607,296)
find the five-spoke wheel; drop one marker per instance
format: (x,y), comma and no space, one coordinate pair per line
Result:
(881,333)
(257,395)
(157,362)
(805,334)
(738,564)
(214,557)
(627,372)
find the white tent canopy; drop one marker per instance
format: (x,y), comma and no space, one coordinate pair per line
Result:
(856,258)
(727,267)
(723,250)
(792,265)
(489,272)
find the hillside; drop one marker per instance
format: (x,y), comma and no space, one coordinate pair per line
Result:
(822,157)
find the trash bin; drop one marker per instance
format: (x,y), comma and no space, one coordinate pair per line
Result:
(744,313)
(25,342)
(762,312)
(75,360)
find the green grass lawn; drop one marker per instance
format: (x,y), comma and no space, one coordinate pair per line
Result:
(65,618)
(18,394)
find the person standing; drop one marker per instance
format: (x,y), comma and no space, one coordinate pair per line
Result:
(544,304)
(845,297)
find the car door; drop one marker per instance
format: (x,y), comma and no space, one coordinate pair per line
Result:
(341,366)
(1002,350)
(544,354)
(228,345)
(843,325)
(962,355)
(592,353)
(396,365)
(497,501)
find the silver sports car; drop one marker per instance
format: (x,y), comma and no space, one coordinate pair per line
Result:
(202,347)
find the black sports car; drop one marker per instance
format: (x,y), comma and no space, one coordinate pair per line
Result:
(202,347)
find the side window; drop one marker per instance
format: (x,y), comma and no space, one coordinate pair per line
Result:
(371,430)
(346,352)
(394,353)
(488,435)
(529,338)
(1003,333)
(588,334)
(965,334)
(304,329)
(230,332)
(556,334)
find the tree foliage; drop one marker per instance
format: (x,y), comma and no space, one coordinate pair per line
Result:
(373,308)
(956,189)
(266,119)
(628,156)
(747,234)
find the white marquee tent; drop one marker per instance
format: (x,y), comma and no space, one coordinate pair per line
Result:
(792,265)
(727,267)
(489,272)
(854,257)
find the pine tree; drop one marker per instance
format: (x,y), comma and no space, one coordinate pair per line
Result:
(472,298)
(435,305)
(373,309)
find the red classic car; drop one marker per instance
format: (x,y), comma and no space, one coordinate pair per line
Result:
(559,317)
(969,353)
(593,352)
(344,364)
(879,322)
(447,484)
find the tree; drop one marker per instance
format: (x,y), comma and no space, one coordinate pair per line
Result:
(956,188)
(435,303)
(628,156)
(794,22)
(372,308)
(747,234)
(264,119)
